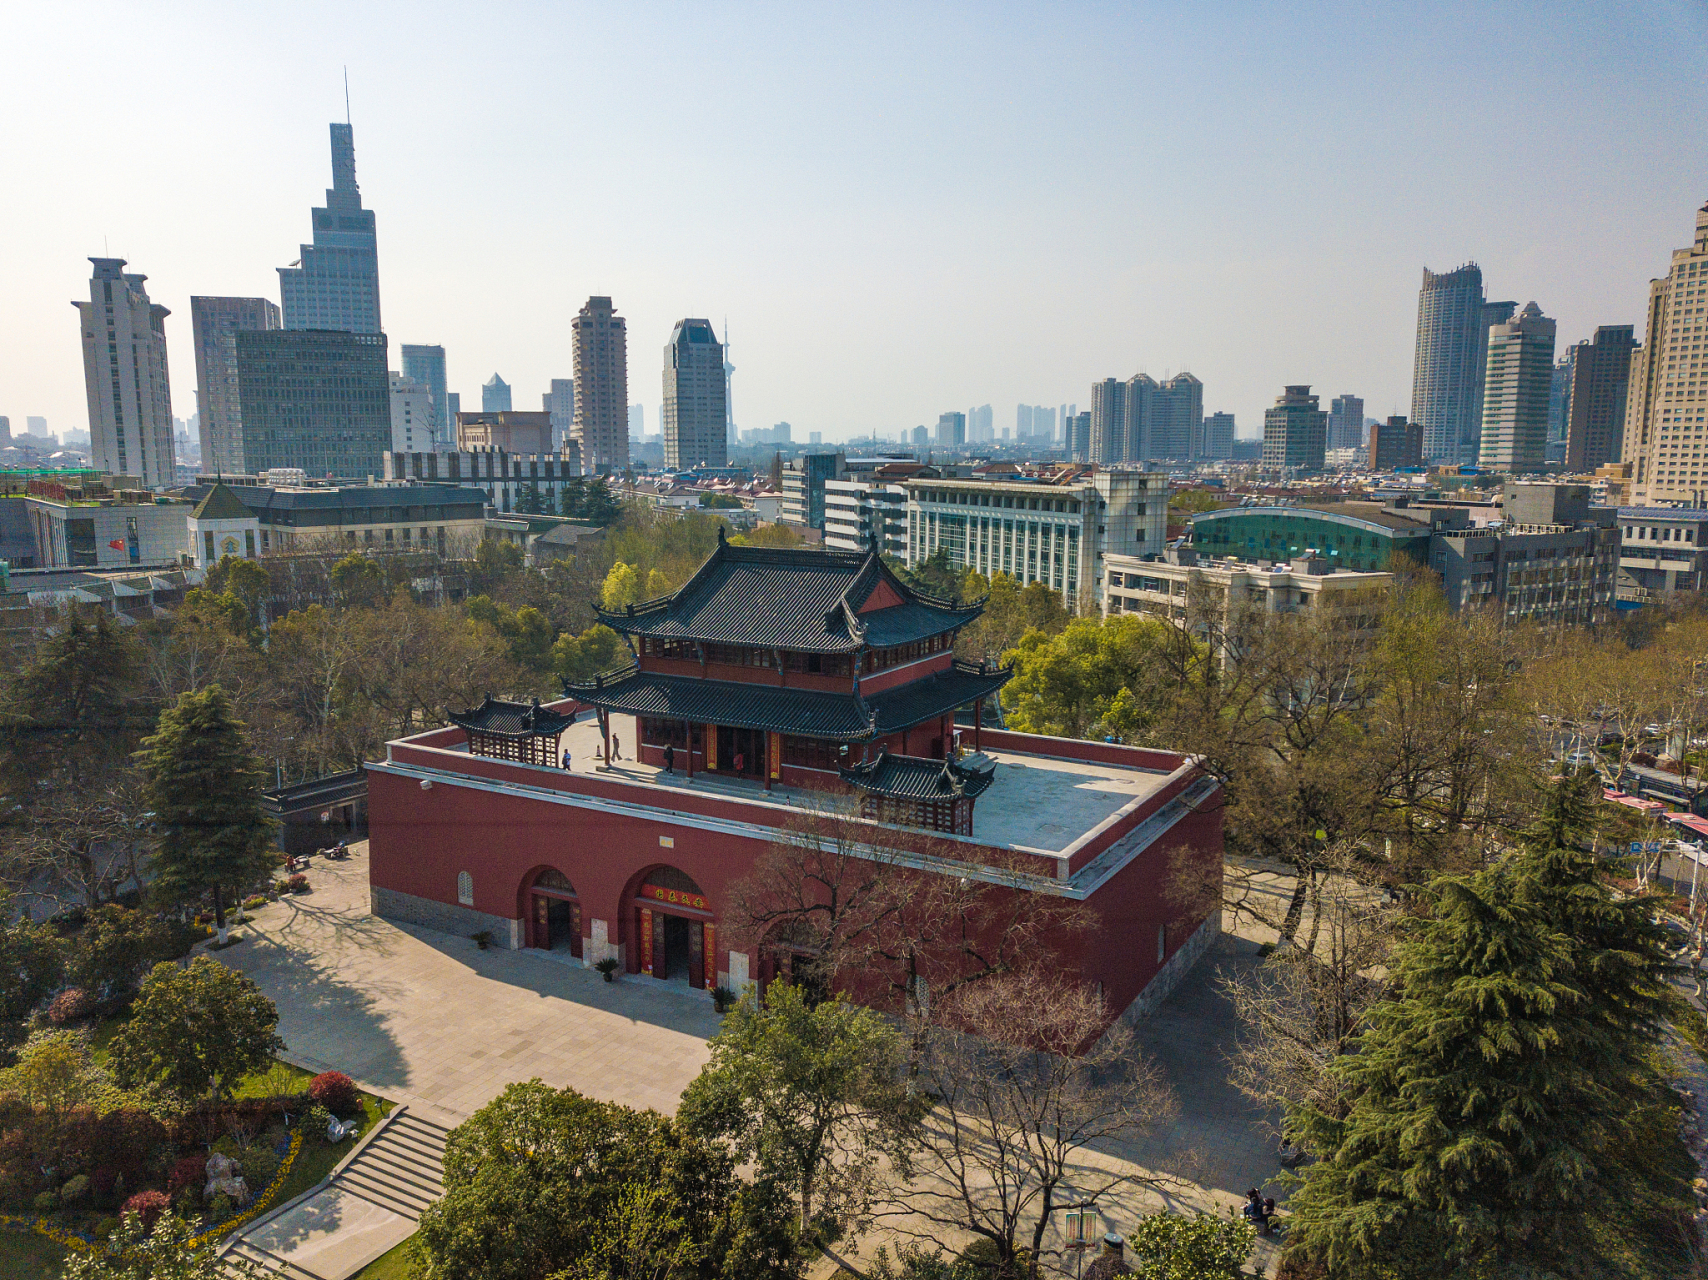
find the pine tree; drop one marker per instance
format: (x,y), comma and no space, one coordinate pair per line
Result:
(1503,1102)
(204,786)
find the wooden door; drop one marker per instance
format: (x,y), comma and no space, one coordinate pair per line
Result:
(575,929)
(542,922)
(697,953)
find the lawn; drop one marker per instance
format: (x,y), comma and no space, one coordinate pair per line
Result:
(317,1159)
(393,1264)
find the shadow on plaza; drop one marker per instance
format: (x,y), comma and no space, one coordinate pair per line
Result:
(320,1216)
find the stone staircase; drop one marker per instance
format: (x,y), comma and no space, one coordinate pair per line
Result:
(399,1169)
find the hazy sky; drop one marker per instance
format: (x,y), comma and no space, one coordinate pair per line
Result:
(901,209)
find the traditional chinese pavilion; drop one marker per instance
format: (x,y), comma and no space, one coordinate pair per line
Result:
(771,678)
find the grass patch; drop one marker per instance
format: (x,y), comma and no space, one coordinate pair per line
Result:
(24,1253)
(317,1158)
(393,1264)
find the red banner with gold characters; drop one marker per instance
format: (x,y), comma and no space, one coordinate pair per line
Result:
(711,956)
(676,897)
(646,940)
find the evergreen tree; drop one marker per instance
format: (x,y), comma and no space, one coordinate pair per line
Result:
(1505,1104)
(204,786)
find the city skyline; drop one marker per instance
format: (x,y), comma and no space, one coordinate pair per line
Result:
(864,241)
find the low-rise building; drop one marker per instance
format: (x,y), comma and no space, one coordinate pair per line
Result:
(544,538)
(514,431)
(861,515)
(511,481)
(1662,549)
(219,526)
(125,530)
(1173,585)
(429,517)
(1053,527)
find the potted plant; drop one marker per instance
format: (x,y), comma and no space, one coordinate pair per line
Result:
(608,967)
(483,939)
(723,999)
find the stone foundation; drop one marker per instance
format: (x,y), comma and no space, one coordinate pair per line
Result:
(390,904)
(1168,977)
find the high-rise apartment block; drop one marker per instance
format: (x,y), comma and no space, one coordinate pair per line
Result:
(560,403)
(1559,392)
(1515,392)
(318,400)
(1108,421)
(1172,422)
(951,429)
(426,365)
(335,284)
(495,396)
(1078,430)
(980,424)
(696,423)
(1666,415)
(411,416)
(1346,422)
(1447,374)
(1396,443)
(124,373)
(1596,393)
(1218,437)
(214,326)
(602,387)
(1295,431)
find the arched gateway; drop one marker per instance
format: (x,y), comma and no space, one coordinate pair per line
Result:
(675,931)
(554,912)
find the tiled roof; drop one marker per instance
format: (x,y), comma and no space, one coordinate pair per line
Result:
(804,601)
(937,695)
(221,504)
(511,719)
(916,778)
(809,712)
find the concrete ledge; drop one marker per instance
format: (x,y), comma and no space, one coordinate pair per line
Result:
(1169,976)
(392,904)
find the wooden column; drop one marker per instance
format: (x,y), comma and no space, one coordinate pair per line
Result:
(605,732)
(688,737)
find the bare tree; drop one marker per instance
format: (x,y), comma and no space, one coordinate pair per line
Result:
(1027,1084)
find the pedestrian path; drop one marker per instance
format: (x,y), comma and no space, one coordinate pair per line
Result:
(371,1203)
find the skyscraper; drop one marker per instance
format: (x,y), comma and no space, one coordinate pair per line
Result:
(426,365)
(1515,392)
(335,284)
(412,417)
(560,403)
(1176,419)
(1559,392)
(1447,373)
(124,373)
(1135,438)
(696,421)
(1077,431)
(214,324)
(1218,436)
(317,399)
(1595,397)
(495,395)
(979,424)
(951,429)
(1666,415)
(1108,421)
(1295,431)
(602,387)
(1346,422)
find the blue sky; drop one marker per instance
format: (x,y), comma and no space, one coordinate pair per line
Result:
(901,209)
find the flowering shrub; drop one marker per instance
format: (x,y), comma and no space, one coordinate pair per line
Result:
(71,1005)
(335,1091)
(297,883)
(147,1205)
(190,1171)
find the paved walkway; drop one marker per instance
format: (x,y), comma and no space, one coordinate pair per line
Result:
(429,1019)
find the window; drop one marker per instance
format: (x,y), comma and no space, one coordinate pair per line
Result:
(465,888)
(1161,943)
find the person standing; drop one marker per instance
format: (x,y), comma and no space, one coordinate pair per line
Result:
(669,758)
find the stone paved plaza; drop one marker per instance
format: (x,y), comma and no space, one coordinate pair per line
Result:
(432,1020)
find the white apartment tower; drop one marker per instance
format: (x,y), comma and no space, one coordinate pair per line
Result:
(1666,415)
(124,372)
(696,417)
(412,418)
(335,284)
(1516,385)
(602,387)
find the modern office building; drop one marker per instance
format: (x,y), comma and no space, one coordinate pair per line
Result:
(426,365)
(495,395)
(214,322)
(951,430)
(865,515)
(696,421)
(1295,432)
(559,402)
(1559,392)
(1218,437)
(1662,549)
(317,399)
(1108,422)
(1346,422)
(411,415)
(125,376)
(431,517)
(1396,443)
(1447,374)
(335,283)
(1187,588)
(1515,393)
(1172,423)
(804,478)
(1598,385)
(1666,416)
(508,479)
(1054,528)
(602,387)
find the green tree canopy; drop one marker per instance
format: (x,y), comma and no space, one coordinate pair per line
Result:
(204,787)
(1173,1246)
(1010,611)
(196,1029)
(1095,676)
(578,658)
(814,1096)
(31,963)
(526,632)
(357,581)
(621,589)
(115,947)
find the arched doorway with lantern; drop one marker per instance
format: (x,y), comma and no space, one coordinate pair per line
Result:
(553,912)
(675,931)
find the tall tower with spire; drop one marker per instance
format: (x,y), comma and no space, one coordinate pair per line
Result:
(336,282)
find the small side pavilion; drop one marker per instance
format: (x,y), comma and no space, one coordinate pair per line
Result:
(524,732)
